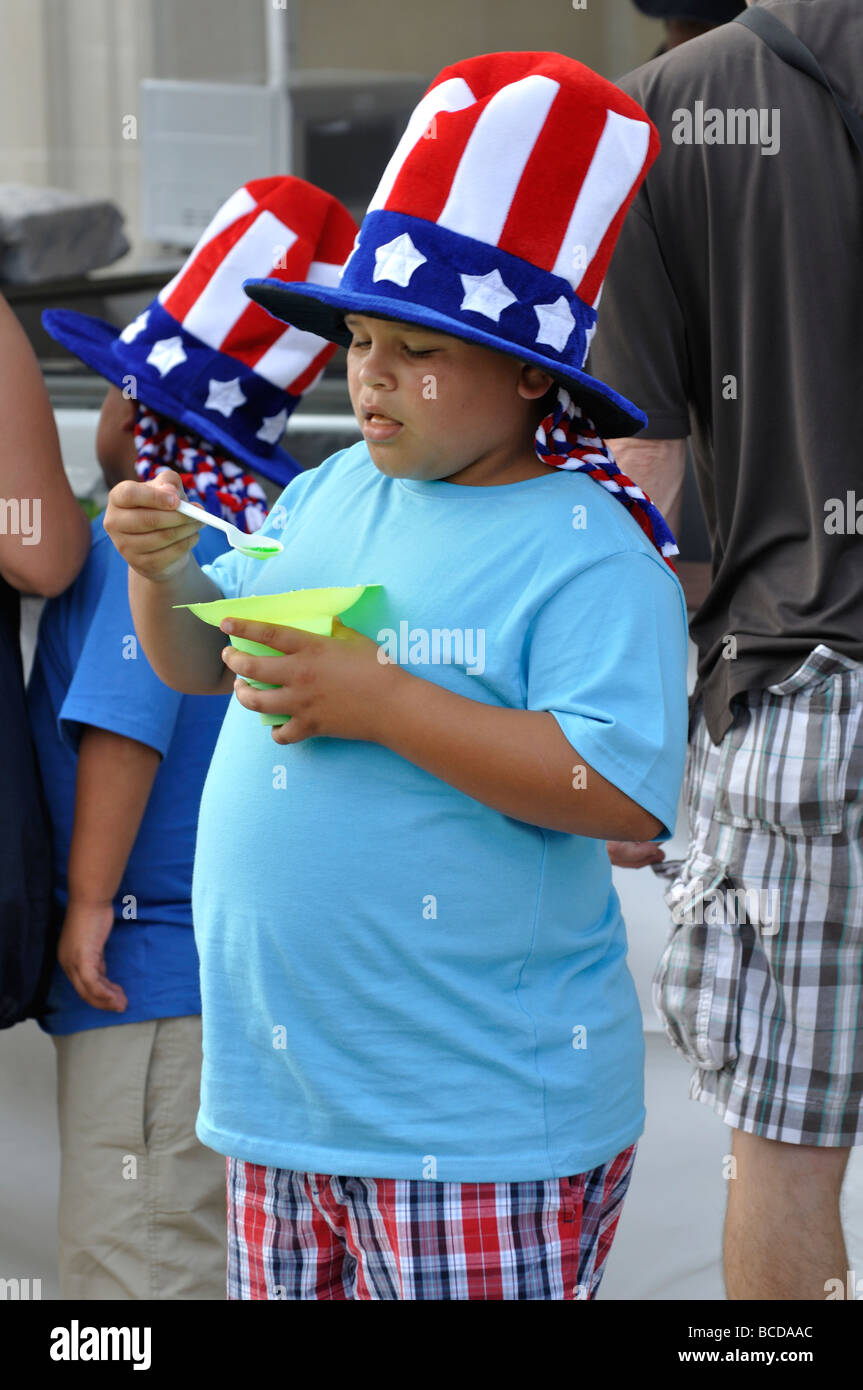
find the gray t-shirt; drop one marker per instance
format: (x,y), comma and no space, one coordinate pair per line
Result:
(733,312)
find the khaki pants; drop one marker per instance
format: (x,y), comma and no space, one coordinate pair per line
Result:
(142,1201)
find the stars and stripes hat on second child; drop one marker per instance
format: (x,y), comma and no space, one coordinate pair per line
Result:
(206,357)
(494,221)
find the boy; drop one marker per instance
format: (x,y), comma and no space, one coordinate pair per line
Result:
(423,1049)
(142,1202)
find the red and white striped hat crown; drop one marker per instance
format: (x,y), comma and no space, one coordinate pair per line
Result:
(496,217)
(202,353)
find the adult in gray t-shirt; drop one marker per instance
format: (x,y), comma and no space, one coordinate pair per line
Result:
(731,314)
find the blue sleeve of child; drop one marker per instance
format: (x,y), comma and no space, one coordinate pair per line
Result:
(114,687)
(607,656)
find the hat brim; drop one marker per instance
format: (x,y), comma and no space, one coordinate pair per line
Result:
(93,340)
(320,309)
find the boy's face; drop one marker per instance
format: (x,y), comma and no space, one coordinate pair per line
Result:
(432,406)
(115,438)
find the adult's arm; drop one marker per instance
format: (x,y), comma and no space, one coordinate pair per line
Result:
(642,348)
(659,467)
(44,534)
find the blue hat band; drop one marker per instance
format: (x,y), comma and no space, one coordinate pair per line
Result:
(403,260)
(203,379)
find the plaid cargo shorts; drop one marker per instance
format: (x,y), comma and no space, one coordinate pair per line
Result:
(295,1235)
(760,985)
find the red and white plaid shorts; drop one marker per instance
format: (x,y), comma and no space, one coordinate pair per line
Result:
(294,1235)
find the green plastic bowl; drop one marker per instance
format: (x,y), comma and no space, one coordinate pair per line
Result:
(313,610)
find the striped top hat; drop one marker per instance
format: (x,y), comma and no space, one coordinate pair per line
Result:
(495,220)
(206,357)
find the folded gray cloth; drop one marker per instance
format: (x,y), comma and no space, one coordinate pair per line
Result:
(51,233)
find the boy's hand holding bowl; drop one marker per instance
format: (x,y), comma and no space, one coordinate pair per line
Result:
(304,672)
(335,687)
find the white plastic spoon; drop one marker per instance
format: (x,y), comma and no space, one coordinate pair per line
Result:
(246,544)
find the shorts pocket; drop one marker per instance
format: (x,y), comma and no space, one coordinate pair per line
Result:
(695,985)
(783,764)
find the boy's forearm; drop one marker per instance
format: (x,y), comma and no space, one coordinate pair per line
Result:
(183,651)
(114,781)
(516,761)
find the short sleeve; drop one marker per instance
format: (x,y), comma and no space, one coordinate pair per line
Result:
(640,343)
(607,656)
(227,572)
(114,687)
(231,570)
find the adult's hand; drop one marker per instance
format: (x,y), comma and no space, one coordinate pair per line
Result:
(634,854)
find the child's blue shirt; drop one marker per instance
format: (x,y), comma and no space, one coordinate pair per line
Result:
(397,980)
(89,669)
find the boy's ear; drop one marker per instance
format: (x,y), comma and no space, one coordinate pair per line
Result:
(533,382)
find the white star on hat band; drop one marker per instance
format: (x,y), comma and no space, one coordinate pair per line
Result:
(131,331)
(487,294)
(273,427)
(225,396)
(555,323)
(166,354)
(397,260)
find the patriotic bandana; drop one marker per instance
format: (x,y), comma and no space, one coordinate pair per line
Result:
(567,439)
(211,479)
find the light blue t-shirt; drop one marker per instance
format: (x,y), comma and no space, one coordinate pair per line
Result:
(397,980)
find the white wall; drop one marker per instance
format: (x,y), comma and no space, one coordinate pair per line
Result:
(70,69)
